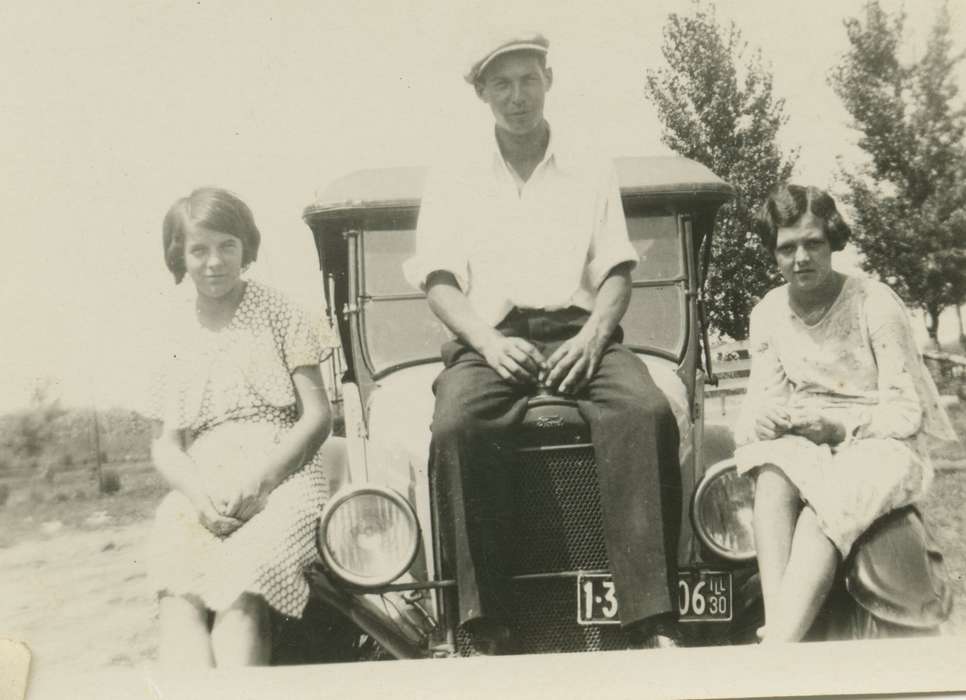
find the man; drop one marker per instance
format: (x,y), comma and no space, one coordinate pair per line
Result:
(524,255)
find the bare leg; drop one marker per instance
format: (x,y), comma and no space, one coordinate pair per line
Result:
(808,577)
(242,633)
(777,505)
(185,643)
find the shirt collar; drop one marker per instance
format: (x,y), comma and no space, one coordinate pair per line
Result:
(555,156)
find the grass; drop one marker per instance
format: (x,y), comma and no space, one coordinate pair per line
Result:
(945,517)
(945,453)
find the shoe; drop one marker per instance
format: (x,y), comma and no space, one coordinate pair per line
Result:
(659,632)
(492,639)
(660,641)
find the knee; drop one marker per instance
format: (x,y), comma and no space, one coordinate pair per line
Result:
(177,610)
(249,610)
(774,490)
(649,408)
(450,426)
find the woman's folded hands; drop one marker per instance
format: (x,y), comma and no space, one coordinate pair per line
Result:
(816,427)
(235,493)
(211,518)
(774,419)
(226,499)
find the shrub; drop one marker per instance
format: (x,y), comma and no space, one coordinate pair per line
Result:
(110,481)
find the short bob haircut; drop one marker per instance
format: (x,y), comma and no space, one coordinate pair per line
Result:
(785,207)
(213,209)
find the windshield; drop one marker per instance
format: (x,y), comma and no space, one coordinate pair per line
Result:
(400,329)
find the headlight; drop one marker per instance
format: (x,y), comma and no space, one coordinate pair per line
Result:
(368,535)
(722,512)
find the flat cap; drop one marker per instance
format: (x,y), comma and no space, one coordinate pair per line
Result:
(499,45)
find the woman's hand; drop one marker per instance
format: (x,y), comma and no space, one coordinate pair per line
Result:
(183,474)
(243,499)
(211,518)
(816,427)
(771,421)
(233,494)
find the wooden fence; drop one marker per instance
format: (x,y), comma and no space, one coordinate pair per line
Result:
(732,365)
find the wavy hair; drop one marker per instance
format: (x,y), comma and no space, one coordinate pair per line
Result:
(785,207)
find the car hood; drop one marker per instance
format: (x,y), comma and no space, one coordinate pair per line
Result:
(401,413)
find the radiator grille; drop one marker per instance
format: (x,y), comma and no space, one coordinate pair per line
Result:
(557,527)
(546,622)
(557,516)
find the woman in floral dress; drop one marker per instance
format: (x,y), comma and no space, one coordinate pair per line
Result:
(241,414)
(837,412)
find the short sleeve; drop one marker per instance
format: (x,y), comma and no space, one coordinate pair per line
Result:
(767,380)
(438,243)
(610,244)
(307,339)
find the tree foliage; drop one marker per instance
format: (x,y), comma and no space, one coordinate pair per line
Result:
(32,429)
(717,105)
(909,198)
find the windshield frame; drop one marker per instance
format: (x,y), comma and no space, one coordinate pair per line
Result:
(406,221)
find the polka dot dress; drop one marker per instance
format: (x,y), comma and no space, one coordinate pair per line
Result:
(231,392)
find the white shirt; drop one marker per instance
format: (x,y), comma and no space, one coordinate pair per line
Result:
(547,243)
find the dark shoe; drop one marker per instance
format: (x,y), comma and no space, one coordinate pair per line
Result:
(658,632)
(492,639)
(660,641)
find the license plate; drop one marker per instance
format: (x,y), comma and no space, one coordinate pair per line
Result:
(596,600)
(703,596)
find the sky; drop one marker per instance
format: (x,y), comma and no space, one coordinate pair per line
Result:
(110,111)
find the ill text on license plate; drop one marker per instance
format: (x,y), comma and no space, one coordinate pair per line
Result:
(703,596)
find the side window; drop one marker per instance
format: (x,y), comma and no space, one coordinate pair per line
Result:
(385,251)
(657,315)
(656,239)
(399,326)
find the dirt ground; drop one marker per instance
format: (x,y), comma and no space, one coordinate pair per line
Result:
(73,569)
(73,584)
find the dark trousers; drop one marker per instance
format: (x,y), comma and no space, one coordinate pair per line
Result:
(635,440)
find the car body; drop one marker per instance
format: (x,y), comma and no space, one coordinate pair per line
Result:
(379,534)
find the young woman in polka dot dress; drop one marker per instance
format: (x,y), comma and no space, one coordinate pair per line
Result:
(241,414)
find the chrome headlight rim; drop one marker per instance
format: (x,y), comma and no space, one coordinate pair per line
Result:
(330,508)
(712,474)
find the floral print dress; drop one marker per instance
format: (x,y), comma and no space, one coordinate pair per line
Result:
(858,364)
(231,392)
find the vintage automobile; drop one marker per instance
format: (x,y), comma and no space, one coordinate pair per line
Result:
(379,535)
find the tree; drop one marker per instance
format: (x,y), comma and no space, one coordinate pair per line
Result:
(32,429)
(909,198)
(718,107)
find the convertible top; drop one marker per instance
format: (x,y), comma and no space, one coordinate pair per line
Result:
(654,176)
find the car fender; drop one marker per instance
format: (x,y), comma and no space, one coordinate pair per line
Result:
(718,444)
